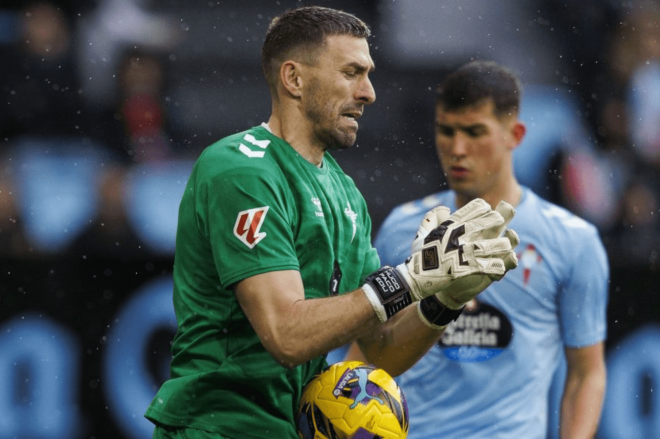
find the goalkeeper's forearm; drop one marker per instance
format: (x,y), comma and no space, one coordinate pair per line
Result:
(399,343)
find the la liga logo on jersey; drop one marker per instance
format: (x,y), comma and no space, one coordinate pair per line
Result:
(248,226)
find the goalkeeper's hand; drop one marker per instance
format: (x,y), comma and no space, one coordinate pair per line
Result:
(455,257)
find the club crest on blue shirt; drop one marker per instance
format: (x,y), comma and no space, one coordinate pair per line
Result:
(529,258)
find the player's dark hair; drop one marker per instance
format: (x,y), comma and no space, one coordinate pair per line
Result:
(305,30)
(477,82)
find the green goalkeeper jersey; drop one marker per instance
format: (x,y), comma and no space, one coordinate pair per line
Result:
(253,205)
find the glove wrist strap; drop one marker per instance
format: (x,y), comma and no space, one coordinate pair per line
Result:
(387,291)
(436,315)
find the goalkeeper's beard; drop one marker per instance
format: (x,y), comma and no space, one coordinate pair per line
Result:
(326,125)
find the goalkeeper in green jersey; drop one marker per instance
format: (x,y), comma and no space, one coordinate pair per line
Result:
(274,266)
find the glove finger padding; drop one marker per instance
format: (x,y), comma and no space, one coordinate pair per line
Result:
(479,222)
(488,226)
(506,210)
(491,224)
(432,219)
(474,209)
(435,217)
(463,289)
(510,259)
(512,236)
(496,247)
(487,256)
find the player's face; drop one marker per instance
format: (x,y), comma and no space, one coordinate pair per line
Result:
(337,90)
(475,149)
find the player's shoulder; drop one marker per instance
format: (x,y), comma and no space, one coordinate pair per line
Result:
(424,204)
(249,151)
(558,218)
(414,210)
(249,144)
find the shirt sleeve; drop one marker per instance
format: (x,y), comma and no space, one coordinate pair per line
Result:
(583,298)
(247,215)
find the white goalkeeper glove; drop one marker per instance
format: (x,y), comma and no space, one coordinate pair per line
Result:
(439,310)
(455,257)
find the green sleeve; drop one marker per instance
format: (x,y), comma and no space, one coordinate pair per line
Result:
(245,210)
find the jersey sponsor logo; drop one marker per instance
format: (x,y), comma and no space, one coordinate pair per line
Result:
(528,259)
(480,333)
(249,138)
(248,225)
(317,203)
(352,216)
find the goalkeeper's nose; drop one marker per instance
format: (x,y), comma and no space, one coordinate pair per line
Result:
(365,92)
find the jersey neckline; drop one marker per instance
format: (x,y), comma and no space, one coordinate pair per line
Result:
(324,169)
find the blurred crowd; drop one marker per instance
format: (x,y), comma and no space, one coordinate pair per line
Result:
(68,160)
(86,113)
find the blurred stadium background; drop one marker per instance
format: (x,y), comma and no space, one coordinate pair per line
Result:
(105,104)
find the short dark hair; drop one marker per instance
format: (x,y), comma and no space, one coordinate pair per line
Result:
(478,81)
(306,29)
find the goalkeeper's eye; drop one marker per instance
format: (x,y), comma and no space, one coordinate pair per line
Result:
(444,130)
(475,132)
